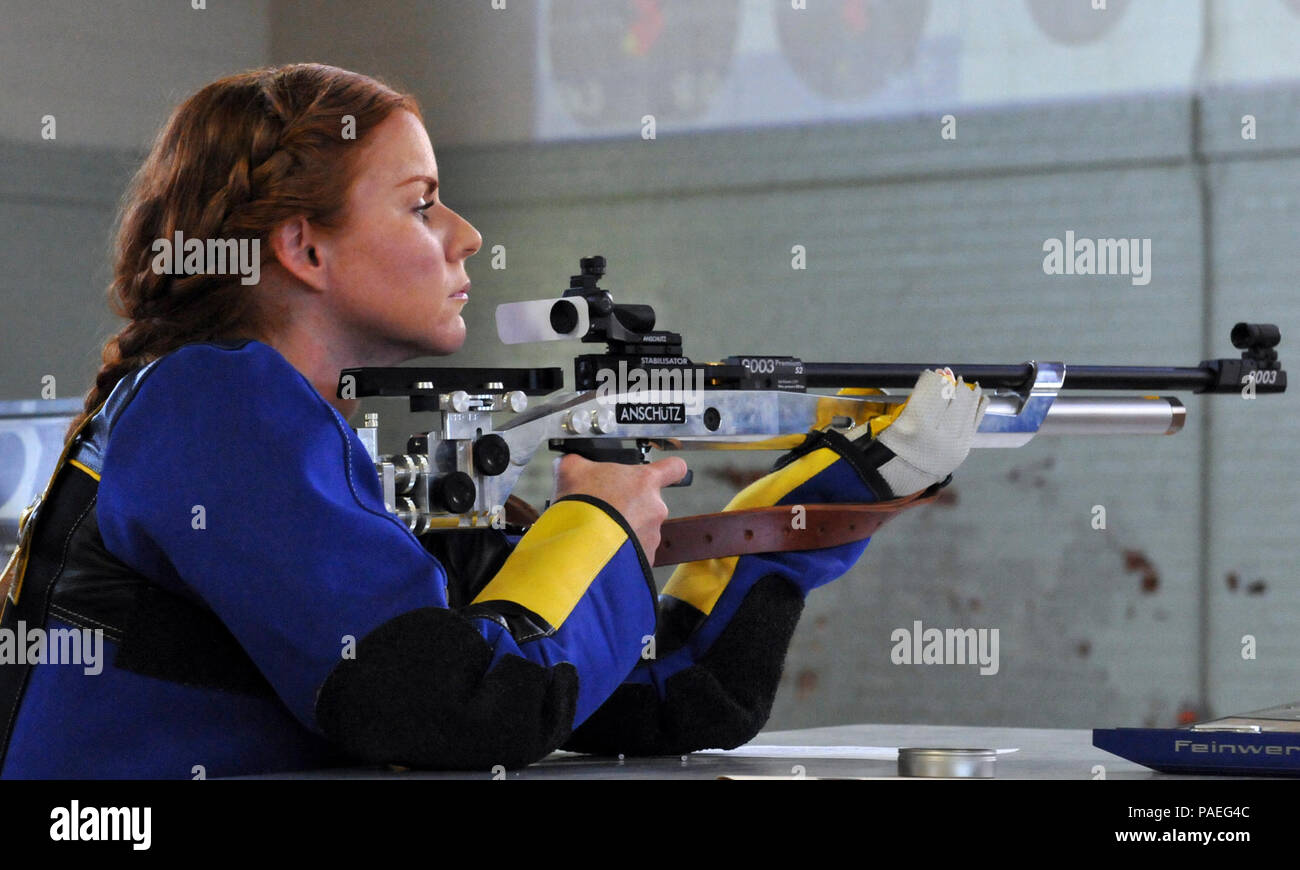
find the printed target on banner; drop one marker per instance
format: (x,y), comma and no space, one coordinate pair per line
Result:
(849,49)
(1076,22)
(621,59)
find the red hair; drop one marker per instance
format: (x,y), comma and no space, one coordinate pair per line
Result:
(233,161)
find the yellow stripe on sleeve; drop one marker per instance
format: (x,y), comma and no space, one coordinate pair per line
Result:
(84,468)
(555,563)
(701,584)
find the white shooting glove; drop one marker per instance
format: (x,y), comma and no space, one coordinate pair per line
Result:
(932,434)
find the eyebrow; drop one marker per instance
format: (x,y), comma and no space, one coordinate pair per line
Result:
(430,183)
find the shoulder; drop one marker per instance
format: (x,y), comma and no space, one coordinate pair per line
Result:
(199,384)
(217,359)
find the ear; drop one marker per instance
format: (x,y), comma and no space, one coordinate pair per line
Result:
(298,246)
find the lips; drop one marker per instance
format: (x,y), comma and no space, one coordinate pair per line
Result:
(462,293)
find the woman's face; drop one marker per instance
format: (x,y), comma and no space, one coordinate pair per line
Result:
(397,263)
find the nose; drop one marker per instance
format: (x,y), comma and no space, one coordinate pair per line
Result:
(467,239)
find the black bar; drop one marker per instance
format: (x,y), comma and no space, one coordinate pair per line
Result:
(1138,378)
(401,381)
(829,375)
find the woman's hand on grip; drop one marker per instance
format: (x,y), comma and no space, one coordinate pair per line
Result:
(632,490)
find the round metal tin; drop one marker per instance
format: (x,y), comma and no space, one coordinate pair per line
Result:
(938,762)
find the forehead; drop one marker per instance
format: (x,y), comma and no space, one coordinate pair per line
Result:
(396,150)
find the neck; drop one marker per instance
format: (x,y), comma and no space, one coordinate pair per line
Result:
(298,324)
(320,354)
(320,367)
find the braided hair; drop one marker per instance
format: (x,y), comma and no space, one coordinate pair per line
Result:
(234,161)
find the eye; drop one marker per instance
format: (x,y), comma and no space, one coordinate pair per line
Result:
(423,208)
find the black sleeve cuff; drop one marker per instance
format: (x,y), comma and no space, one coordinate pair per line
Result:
(422,692)
(865,456)
(720,702)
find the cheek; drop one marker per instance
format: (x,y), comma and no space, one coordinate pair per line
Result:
(404,245)
(401,248)
(429,259)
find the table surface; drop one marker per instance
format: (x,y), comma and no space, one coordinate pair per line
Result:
(1042,753)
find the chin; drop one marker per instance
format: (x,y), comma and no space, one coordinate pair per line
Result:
(448,342)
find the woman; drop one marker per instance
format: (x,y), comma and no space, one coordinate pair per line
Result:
(220,523)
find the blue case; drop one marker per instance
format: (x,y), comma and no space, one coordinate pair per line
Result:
(1262,743)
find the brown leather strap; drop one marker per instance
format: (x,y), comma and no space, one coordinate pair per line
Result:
(779,529)
(520,512)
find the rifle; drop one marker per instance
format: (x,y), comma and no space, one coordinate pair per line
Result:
(643,393)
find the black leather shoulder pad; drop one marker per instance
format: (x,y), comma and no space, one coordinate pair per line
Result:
(159,632)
